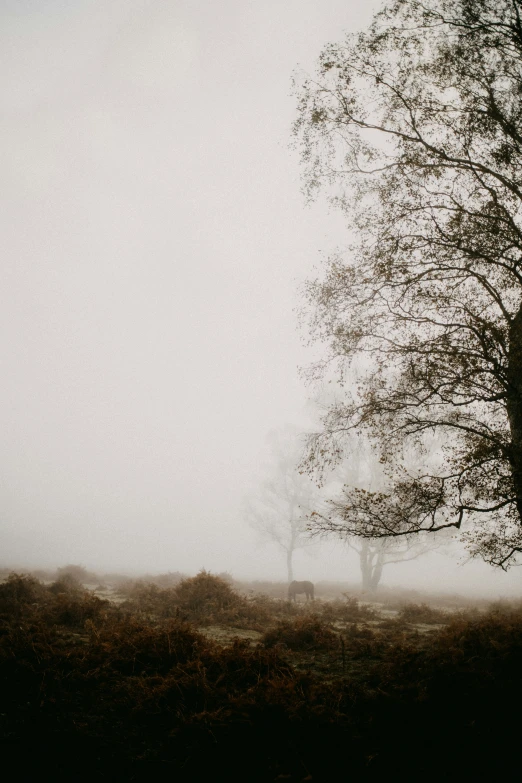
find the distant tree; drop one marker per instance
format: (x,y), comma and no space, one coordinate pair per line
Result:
(358,469)
(415,130)
(376,554)
(279,510)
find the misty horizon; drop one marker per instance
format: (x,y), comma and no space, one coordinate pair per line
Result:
(156,237)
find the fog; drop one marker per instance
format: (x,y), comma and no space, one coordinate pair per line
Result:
(154,238)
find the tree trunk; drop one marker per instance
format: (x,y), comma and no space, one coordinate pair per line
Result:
(372,563)
(514,405)
(377,572)
(365,565)
(366,560)
(366,581)
(289,565)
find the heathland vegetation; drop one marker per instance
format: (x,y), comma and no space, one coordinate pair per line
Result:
(204,678)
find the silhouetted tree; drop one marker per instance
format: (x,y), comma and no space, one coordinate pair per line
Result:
(361,468)
(375,555)
(415,130)
(280,508)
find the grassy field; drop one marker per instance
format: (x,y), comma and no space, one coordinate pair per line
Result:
(189,679)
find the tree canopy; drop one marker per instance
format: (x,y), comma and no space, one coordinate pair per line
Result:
(414,130)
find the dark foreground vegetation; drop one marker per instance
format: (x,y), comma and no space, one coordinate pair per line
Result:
(196,681)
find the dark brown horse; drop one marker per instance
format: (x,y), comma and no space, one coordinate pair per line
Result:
(295,588)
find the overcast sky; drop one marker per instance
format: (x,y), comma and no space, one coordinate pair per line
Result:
(154,237)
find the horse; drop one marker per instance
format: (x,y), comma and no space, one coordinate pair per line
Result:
(295,588)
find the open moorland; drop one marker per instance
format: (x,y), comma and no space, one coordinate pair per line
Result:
(203,678)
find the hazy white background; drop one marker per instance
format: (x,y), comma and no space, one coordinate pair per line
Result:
(153,238)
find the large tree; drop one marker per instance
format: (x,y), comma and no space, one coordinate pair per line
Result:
(414,129)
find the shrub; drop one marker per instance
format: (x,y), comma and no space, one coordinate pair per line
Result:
(280,608)
(20,591)
(204,599)
(149,600)
(132,646)
(492,637)
(348,610)
(304,633)
(66,584)
(74,610)
(65,602)
(205,594)
(505,607)
(207,599)
(422,613)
